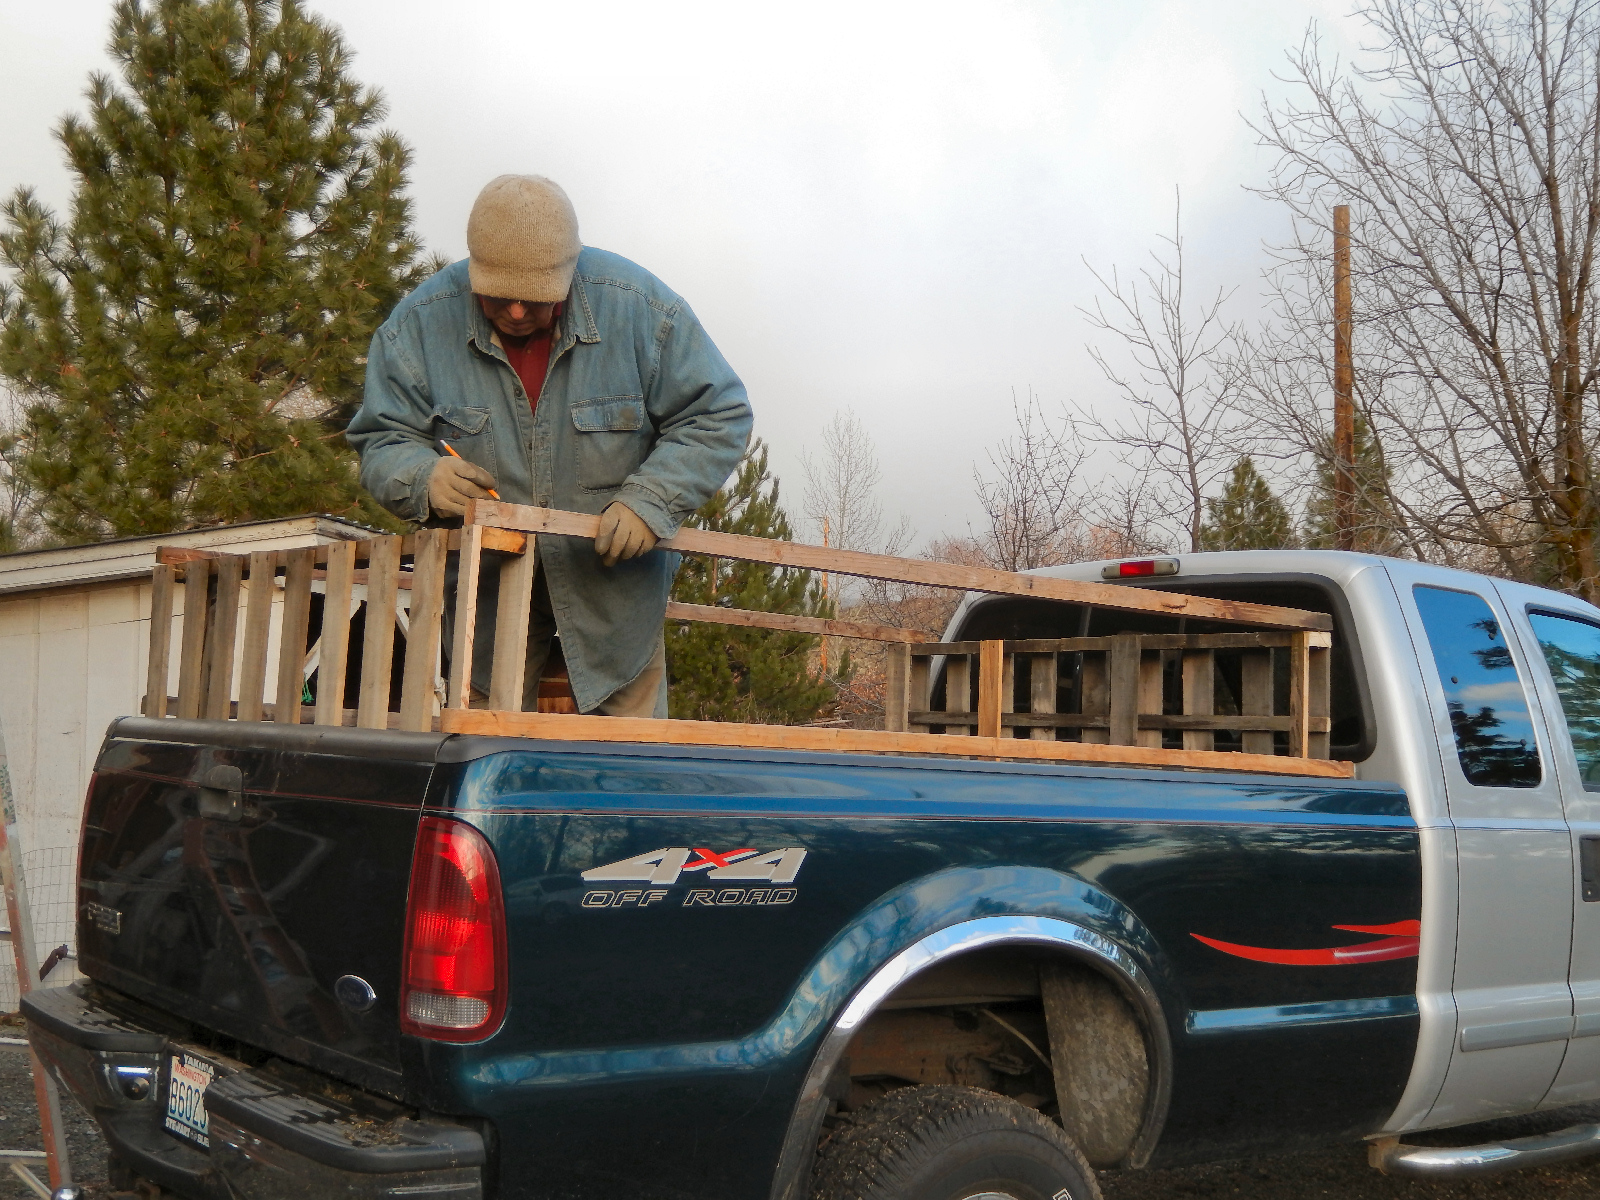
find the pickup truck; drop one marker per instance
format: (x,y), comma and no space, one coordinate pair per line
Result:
(368,963)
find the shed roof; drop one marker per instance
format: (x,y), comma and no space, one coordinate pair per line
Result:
(125,558)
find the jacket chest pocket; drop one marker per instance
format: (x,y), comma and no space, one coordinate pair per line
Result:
(612,436)
(467,430)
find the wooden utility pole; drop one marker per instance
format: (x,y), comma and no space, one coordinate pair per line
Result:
(1344,409)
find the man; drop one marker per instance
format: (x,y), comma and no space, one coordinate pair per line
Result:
(564,377)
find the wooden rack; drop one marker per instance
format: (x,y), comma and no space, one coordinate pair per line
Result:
(254,638)
(1116,690)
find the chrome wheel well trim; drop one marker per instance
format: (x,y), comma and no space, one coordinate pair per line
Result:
(965,937)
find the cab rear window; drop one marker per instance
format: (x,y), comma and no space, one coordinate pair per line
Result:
(1483,694)
(1572,652)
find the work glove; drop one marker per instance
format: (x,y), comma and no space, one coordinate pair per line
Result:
(622,535)
(455,481)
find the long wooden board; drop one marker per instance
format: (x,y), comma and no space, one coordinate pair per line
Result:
(911,570)
(750,618)
(565,727)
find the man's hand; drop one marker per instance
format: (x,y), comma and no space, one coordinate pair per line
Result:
(455,481)
(622,535)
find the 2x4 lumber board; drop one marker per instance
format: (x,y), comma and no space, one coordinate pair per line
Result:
(1094,688)
(1199,696)
(1299,698)
(377,645)
(191,666)
(896,687)
(1320,724)
(1043,679)
(459,693)
(958,688)
(155,679)
(750,618)
(224,625)
(511,631)
(422,640)
(257,631)
(991,687)
(1150,695)
(1255,697)
(1124,688)
(292,636)
(1217,723)
(584,728)
(1150,641)
(919,691)
(335,657)
(909,570)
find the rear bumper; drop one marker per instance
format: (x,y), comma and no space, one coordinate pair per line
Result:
(269,1140)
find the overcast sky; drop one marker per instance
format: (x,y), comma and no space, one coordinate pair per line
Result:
(881,207)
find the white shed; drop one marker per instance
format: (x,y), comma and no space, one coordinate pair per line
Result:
(74,634)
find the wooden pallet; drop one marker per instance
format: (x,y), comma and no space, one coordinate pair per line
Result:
(256,670)
(1116,691)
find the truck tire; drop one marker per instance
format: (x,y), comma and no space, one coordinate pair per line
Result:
(951,1143)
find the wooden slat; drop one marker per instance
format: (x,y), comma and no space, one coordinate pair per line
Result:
(191,666)
(749,618)
(1150,697)
(511,631)
(991,687)
(377,644)
(1255,696)
(257,632)
(1150,641)
(1094,685)
(422,641)
(958,688)
(1043,680)
(335,639)
(224,625)
(1321,694)
(896,688)
(918,692)
(1218,722)
(292,633)
(583,728)
(1123,682)
(1199,695)
(908,570)
(459,693)
(155,679)
(1299,698)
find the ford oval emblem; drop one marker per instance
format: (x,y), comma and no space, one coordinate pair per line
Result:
(354,992)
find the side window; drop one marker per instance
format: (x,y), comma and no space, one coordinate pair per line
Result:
(1483,693)
(1572,650)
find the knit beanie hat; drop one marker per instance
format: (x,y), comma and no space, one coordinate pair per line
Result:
(522,239)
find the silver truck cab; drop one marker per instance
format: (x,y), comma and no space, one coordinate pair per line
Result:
(1480,697)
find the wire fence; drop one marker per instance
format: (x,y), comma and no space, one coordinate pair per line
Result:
(52,877)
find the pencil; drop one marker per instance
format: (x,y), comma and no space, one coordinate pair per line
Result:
(451,451)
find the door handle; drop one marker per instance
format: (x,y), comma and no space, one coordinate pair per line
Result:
(1589,868)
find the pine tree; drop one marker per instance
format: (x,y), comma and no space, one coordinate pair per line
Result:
(191,339)
(725,673)
(1247,516)
(1376,524)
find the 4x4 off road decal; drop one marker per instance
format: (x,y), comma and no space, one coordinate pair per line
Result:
(1404,940)
(670,865)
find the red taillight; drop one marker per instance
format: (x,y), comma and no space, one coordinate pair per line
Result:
(454,987)
(1139,566)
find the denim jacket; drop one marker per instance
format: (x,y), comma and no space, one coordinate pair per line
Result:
(638,405)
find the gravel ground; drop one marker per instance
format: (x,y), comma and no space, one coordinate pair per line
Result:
(1342,1173)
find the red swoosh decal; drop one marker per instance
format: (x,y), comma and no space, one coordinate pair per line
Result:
(1405,941)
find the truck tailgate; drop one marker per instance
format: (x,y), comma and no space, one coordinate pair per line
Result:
(233,875)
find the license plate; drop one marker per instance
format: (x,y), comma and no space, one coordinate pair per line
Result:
(187,1078)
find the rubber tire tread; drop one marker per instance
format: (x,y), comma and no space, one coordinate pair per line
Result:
(891,1150)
